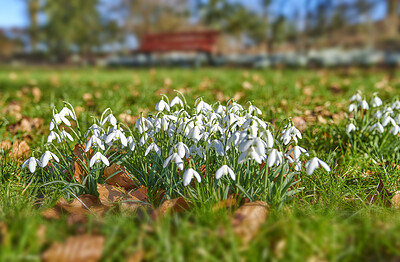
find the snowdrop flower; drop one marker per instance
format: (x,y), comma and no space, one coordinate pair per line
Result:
(181,149)
(314,163)
(65,134)
(275,158)
(225,170)
(297,151)
(161,105)
(378,114)
(96,158)
(395,129)
(267,136)
(219,147)
(46,157)
(111,118)
(386,119)
(396,104)
(143,124)
(31,163)
(352,107)
(176,100)
(364,105)
(143,139)
(195,134)
(67,112)
(357,97)
(203,106)
(53,135)
(378,127)
(153,147)
(95,141)
(174,157)
(117,134)
(188,176)
(257,143)
(131,143)
(95,129)
(290,133)
(376,101)
(350,128)
(254,109)
(251,154)
(194,150)
(57,120)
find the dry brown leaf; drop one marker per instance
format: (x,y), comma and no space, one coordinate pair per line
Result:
(109,194)
(129,119)
(140,193)
(117,175)
(3,232)
(247,85)
(83,204)
(167,82)
(20,149)
(138,256)
(5,145)
(37,94)
(51,213)
(248,218)
(238,95)
(84,248)
(176,205)
(13,109)
(299,123)
(335,88)
(79,169)
(26,125)
(227,203)
(396,199)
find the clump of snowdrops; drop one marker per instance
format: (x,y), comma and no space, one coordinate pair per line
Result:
(373,126)
(208,151)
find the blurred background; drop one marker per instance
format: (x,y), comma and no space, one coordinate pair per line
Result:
(192,33)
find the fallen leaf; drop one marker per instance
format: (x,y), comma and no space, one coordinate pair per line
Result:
(117,175)
(3,232)
(140,193)
(299,123)
(78,168)
(84,248)
(83,204)
(248,218)
(20,149)
(109,194)
(37,94)
(51,213)
(176,205)
(5,145)
(129,119)
(396,199)
(138,256)
(26,125)
(247,85)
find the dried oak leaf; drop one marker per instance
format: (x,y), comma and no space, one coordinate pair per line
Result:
(5,145)
(37,94)
(83,248)
(248,218)
(140,193)
(117,175)
(396,199)
(83,204)
(26,125)
(51,213)
(176,205)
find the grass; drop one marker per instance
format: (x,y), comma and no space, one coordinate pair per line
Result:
(329,220)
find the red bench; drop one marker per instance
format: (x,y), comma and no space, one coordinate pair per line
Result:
(199,41)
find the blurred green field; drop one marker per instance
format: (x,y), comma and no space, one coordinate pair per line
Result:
(329,220)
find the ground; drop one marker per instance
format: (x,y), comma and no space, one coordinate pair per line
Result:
(332,218)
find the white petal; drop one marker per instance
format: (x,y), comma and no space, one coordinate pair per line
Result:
(105,160)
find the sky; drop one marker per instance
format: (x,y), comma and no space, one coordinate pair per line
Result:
(13,12)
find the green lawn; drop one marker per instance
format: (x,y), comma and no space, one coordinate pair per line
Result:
(330,219)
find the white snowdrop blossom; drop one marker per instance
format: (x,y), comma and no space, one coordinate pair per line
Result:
(162,105)
(350,128)
(356,97)
(188,176)
(53,135)
(94,141)
(44,159)
(115,135)
(65,135)
(97,158)
(174,157)
(176,101)
(67,112)
(377,127)
(153,147)
(275,158)
(314,163)
(31,163)
(376,101)
(110,118)
(57,120)
(364,105)
(225,170)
